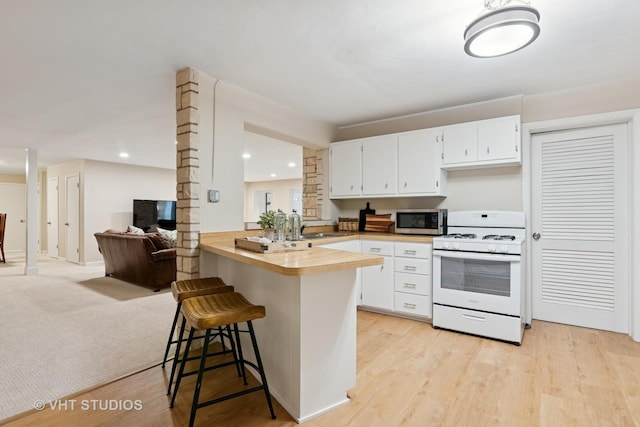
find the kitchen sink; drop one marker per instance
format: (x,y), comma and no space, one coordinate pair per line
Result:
(307,236)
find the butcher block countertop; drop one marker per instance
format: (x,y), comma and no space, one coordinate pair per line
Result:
(298,263)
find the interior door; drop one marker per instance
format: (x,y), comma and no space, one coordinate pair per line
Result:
(72,222)
(580,226)
(13,203)
(52,217)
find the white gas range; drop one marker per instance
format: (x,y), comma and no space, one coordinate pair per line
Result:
(479,275)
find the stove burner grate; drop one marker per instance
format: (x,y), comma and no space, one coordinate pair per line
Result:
(460,236)
(497,237)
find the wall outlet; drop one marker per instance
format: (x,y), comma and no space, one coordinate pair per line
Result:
(213,196)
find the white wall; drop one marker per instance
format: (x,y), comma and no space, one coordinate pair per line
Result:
(280,195)
(109,192)
(236,111)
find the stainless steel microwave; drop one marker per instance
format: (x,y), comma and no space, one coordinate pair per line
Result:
(421,221)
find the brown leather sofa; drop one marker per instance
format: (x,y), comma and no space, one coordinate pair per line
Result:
(135,258)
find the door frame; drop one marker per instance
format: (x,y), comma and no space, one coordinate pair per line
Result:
(632,119)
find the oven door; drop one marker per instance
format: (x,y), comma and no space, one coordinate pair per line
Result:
(479,281)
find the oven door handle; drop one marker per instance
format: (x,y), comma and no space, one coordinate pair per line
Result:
(476,255)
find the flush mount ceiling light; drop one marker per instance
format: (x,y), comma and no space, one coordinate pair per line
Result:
(503,28)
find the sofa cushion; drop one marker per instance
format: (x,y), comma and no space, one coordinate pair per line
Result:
(132,229)
(169,236)
(158,241)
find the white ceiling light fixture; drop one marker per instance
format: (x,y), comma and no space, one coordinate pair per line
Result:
(503,28)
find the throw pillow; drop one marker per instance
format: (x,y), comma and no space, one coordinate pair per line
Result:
(170,237)
(158,241)
(134,230)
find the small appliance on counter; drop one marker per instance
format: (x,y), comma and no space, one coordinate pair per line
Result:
(421,221)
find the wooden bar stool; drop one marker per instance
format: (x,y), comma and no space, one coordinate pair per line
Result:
(209,312)
(189,288)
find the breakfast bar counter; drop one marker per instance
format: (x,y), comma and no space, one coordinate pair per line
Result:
(308,338)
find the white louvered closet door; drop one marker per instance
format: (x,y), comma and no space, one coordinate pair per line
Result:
(580,209)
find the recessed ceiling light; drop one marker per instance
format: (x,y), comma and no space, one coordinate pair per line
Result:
(273,175)
(292,165)
(246,155)
(124,155)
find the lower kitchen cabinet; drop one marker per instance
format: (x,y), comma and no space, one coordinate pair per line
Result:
(412,278)
(402,285)
(377,281)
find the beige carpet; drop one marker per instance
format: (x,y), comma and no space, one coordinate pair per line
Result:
(69,328)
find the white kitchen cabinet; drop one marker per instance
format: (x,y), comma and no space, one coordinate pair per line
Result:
(412,279)
(499,139)
(484,143)
(459,144)
(346,169)
(377,281)
(419,171)
(379,165)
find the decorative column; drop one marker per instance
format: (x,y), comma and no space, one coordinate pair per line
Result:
(312,188)
(188,174)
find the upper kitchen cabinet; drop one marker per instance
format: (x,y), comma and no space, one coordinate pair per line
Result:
(493,142)
(459,144)
(346,169)
(419,172)
(379,166)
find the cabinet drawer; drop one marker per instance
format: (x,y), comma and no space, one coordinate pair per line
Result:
(374,247)
(413,250)
(412,283)
(415,266)
(419,305)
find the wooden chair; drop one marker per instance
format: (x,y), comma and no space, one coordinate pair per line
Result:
(3,223)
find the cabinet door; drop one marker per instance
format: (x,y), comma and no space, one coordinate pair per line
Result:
(460,143)
(379,164)
(346,169)
(418,162)
(499,139)
(377,285)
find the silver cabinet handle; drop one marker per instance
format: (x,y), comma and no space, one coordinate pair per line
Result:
(375,249)
(405,185)
(409,252)
(465,152)
(386,185)
(410,285)
(22,221)
(49,222)
(66,223)
(409,305)
(536,236)
(410,268)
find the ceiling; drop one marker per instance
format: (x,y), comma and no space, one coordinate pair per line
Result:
(87,79)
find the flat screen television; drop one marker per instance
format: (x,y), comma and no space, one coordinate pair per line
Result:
(150,214)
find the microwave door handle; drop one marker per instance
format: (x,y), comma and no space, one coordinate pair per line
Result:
(476,255)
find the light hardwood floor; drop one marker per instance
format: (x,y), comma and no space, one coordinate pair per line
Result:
(410,374)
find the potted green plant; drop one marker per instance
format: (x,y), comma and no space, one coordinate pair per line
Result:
(266,223)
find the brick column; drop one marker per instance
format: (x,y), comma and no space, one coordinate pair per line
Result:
(188,174)
(312,189)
